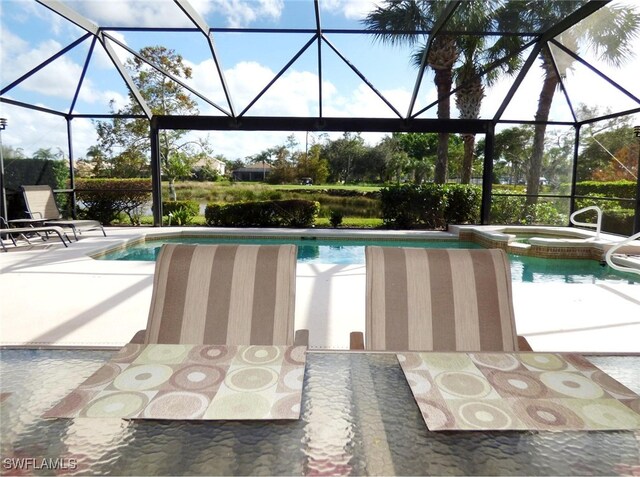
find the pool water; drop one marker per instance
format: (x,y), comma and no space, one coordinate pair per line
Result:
(344,252)
(310,250)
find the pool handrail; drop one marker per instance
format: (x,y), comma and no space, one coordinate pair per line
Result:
(597,225)
(612,250)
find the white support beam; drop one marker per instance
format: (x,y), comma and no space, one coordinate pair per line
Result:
(125,76)
(71,15)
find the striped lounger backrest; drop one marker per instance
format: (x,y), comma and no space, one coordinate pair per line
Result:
(223,294)
(439,300)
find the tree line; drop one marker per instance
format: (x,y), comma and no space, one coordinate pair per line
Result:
(608,152)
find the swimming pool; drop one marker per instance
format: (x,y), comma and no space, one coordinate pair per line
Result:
(351,251)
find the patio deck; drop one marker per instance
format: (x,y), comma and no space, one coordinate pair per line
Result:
(52,296)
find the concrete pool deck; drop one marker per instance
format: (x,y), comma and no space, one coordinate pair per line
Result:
(56,296)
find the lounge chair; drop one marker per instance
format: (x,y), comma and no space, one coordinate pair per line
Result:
(42,209)
(25,232)
(223,294)
(438,300)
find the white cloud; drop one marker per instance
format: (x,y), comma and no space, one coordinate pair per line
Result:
(30,130)
(148,13)
(13,47)
(140,13)
(238,13)
(58,79)
(351,9)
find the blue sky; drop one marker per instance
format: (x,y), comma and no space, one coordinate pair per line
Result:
(30,32)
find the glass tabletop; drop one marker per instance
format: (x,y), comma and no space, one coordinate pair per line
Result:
(358,418)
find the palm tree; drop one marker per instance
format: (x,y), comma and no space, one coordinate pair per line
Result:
(608,32)
(401,18)
(470,79)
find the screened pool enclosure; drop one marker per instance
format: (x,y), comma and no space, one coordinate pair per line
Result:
(543,94)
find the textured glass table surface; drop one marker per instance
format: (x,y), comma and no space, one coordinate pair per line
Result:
(358,418)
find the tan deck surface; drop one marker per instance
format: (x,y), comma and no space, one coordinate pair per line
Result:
(52,296)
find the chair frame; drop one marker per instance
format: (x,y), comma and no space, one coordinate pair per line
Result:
(37,217)
(24,231)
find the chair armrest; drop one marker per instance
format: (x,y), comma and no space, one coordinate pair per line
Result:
(523,344)
(301,338)
(139,337)
(356,340)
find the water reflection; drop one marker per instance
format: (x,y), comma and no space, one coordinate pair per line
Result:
(540,270)
(343,252)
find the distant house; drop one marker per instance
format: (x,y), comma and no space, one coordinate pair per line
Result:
(212,163)
(252,173)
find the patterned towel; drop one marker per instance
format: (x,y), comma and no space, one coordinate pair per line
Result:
(520,391)
(161,381)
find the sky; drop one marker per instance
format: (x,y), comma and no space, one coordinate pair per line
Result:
(30,33)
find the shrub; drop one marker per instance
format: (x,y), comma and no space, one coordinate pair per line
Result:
(618,221)
(616,218)
(181,216)
(19,172)
(513,210)
(106,199)
(336,218)
(508,210)
(282,213)
(545,213)
(182,211)
(462,204)
(429,205)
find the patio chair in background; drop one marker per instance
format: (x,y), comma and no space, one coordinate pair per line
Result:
(223,294)
(42,208)
(438,300)
(25,232)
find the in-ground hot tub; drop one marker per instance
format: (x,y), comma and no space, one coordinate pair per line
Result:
(537,241)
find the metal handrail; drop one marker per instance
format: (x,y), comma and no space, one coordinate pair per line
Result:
(612,250)
(598,224)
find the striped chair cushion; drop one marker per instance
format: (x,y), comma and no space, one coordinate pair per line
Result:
(439,300)
(223,294)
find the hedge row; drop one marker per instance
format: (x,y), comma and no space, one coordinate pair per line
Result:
(621,189)
(106,199)
(276,213)
(430,206)
(19,172)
